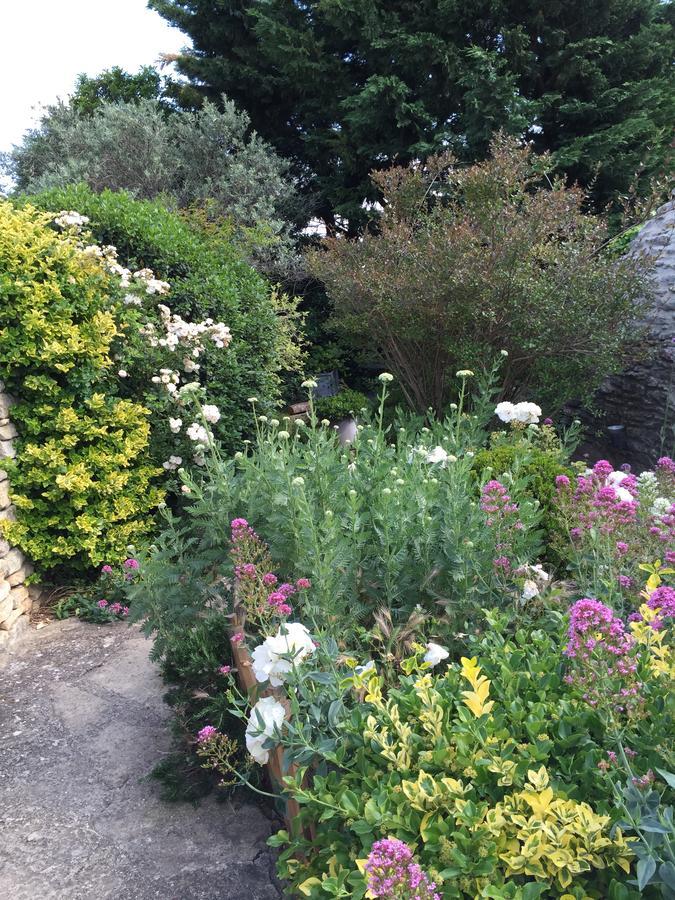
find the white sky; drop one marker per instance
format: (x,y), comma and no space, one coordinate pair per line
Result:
(45,44)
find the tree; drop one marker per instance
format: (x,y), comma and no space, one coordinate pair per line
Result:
(116,86)
(471,260)
(208,158)
(342,87)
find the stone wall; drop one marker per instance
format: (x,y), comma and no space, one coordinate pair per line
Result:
(642,397)
(16,598)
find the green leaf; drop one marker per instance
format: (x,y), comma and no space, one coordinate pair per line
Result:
(645,870)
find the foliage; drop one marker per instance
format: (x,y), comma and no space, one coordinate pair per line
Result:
(344,404)
(115,86)
(208,279)
(342,87)
(207,159)
(468,261)
(464,766)
(82,483)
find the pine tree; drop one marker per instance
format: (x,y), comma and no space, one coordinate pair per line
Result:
(342,87)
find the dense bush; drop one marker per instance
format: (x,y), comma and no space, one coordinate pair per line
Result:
(206,158)
(207,278)
(82,482)
(467,261)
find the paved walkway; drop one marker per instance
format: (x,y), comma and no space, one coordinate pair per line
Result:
(81,723)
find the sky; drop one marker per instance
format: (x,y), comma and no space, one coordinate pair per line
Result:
(46,44)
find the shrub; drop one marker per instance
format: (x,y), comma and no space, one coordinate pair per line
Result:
(82,480)
(208,278)
(205,158)
(344,404)
(467,261)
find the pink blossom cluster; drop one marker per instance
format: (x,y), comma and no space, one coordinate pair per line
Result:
(662,601)
(115,608)
(206,734)
(603,658)
(392,873)
(501,514)
(603,499)
(257,586)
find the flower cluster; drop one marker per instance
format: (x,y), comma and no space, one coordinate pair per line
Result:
(602,652)
(257,587)
(501,514)
(71,219)
(392,873)
(662,601)
(276,656)
(265,722)
(524,413)
(188,336)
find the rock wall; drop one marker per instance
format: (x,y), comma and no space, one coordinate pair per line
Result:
(16,598)
(642,398)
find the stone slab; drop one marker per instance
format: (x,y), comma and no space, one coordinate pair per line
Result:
(12,562)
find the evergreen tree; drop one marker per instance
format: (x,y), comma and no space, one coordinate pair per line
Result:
(342,87)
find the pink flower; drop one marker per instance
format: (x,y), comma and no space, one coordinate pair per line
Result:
(102,604)
(548,421)
(238,523)
(625,582)
(106,570)
(622,547)
(116,608)
(131,563)
(207,733)
(303,584)
(237,638)
(225,670)
(562,481)
(391,872)
(248,570)
(125,610)
(269,579)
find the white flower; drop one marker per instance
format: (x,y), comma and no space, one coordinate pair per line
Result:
(175,425)
(504,352)
(437,455)
(211,413)
(198,433)
(185,489)
(368,667)
(527,413)
(190,365)
(298,481)
(172,463)
(539,572)
(123,373)
(505,411)
(624,495)
(385,377)
(199,459)
(309,383)
(464,373)
(252,400)
(435,654)
(266,719)
(530,590)
(283,435)
(615,478)
(132,300)
(661,506)
(275,657)
(69,218)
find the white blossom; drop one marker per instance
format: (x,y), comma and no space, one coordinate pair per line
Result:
(385,377)
(123,373)
(530,589)
(70,219)
(198,433)
(435,654)
(175,425)
(172,463)
(266,719)
(274,658)
(211,413)
(437,455)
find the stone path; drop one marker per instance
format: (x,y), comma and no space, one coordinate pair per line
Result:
(81,723)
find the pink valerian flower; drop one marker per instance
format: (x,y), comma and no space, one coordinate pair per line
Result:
(602,655)
(666,464)
(562,482)
(548,421)
(238,524)
(625,582)
(502,562)
(286,590)
(622,547)
(131,563)
(107,570)
(392,873)
(102,604)
(269,579)
(225,670)
(116,608)
(662,601)
(303,584)
(248,570)
(207,733)
(237,638)
(670,557)
(501,514)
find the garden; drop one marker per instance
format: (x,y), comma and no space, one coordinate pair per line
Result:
(348,484)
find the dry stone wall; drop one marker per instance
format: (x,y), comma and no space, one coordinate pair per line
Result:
(16,597)
(642,397)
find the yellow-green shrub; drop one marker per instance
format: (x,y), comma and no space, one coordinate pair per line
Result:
(81,482)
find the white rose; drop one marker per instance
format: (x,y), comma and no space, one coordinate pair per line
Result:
(274,658)
(211,413)
(175,425)
(435,654)
(266,719)
(437,455)
(505,411)
(530,590)
(624,495)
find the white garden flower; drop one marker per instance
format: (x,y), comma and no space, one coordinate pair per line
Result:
(660,507)
(624,495)
(464,373)
(266,719)
(198,433)
(527,413)
(283,435)
(175,425)
(435,654)
(505,411)
(530,590)
(615,478)
(172,463)
(298,481)
(367,667)
(275,657)
(69,218)
(123,373)
(211,413)
(437,455)
(186,489)
(385,377)
(309,384)
(132,300)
